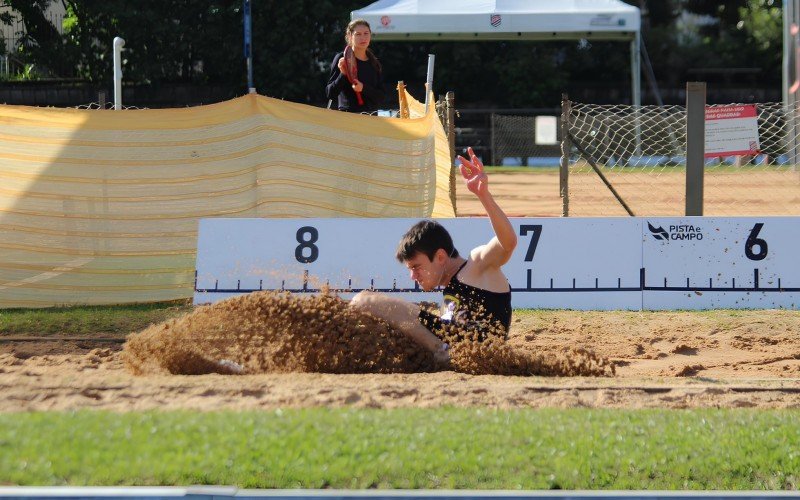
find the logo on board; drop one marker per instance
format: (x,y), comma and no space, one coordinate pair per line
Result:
(676,232)
(606,20)
(386,21)
(495,20)
(658,232)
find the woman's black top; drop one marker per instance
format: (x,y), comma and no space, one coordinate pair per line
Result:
(339,87)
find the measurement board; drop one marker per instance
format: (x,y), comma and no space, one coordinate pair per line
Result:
(564,263)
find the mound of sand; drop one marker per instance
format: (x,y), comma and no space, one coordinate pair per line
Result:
(277,332)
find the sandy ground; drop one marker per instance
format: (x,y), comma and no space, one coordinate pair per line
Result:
(663,359)
(520,195)
(663,194)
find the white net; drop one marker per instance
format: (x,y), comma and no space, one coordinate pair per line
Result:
(107,105)
(642,154)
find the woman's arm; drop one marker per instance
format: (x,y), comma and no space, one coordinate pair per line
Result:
(336,81)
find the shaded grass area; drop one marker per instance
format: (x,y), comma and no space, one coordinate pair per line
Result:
(124,319)
(121,319)
(407,448)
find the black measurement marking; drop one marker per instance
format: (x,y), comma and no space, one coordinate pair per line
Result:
(306,237)
(753,241)
(642,286)
(537,233)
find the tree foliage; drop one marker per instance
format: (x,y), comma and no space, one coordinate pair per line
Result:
(200,42)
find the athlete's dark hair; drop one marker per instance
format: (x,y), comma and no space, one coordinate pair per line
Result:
(348,32)
(425,237)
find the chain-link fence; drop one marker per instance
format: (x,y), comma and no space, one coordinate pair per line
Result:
(525,140)
(623,156)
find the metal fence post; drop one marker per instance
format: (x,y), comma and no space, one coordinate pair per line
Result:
(492,141)
(695,146)
(451,140)
(563,171)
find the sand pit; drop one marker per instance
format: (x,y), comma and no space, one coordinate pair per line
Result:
(274,332)
(662,359)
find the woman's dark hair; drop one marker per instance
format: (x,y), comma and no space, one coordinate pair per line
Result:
(425,237)
(348,32)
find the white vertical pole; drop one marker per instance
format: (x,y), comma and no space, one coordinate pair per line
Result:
(636,70)
(429,81)
(791,76)
(636,88)
(787,48)
(118,44)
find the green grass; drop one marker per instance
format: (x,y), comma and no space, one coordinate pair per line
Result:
(521,170)
(710,169)
(77,320)
(124,319)
(407,448)
(120,319)
(644,169)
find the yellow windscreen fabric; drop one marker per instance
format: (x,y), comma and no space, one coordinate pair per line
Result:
(101,207)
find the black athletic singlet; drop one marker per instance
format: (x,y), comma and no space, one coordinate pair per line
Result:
(468,307)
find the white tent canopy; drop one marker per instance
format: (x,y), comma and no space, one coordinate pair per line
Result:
(394,20)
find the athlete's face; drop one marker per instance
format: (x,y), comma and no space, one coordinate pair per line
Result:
(428,273)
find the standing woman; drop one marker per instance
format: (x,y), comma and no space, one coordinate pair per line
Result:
(369,80)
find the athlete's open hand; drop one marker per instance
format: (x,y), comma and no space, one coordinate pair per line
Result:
(472,171)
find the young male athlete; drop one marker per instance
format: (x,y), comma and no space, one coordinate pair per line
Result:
(477,296)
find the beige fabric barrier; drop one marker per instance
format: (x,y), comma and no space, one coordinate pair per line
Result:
(101,207)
